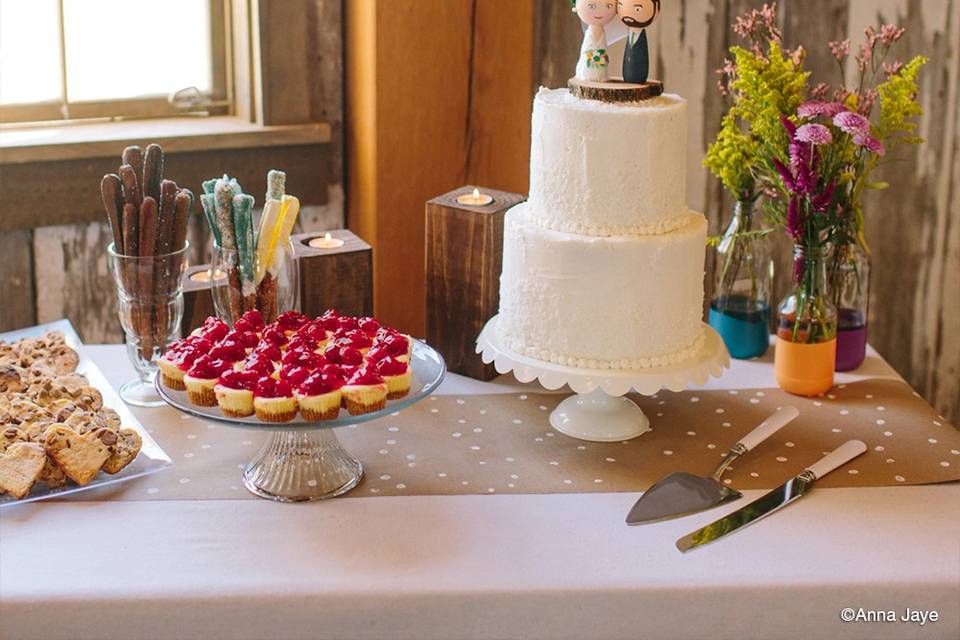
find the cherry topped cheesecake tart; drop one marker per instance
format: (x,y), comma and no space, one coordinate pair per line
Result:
(234,392)
(365,391)
(273,400)
(319,396)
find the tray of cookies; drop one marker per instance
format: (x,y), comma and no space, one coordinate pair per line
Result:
(297,372)
(63,428)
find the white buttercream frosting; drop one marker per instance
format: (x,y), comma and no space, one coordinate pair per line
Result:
(608,169)
(621,302)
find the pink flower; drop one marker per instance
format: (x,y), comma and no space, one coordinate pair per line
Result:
(841,49)
(852,123)
(892,69)
(890,34)
(869,143)
(815,108)
(814,134)
(819,92)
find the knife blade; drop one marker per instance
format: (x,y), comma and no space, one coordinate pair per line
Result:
(771,502)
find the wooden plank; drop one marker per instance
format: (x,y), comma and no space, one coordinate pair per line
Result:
(58,193)
(498,112)
(16,283)
(284,29)
(175,135)
(73,281)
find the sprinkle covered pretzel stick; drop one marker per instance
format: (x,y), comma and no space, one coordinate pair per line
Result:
(148,243)
(246,248)
(223,208)
(111,191)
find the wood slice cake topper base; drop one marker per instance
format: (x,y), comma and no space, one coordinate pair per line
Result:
(615,90)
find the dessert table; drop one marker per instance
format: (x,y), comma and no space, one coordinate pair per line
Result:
(472,566)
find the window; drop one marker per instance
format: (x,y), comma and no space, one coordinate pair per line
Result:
(79,59)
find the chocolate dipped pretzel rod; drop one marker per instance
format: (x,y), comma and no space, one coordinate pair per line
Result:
(223,209)
(163,247)
(148,242)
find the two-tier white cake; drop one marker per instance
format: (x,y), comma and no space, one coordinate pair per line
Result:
(603,265)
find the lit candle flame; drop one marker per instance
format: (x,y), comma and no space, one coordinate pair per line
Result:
(476,194)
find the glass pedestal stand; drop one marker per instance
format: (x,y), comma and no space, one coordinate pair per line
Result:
(599,412)
(303,461)
(301,465)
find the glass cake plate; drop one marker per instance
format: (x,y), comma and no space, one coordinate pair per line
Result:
(151,458)
(302,460)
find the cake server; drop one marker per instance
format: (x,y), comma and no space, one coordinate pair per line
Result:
(776,499)
(682,493)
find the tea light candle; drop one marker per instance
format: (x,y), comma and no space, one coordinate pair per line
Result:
(475,199)
(326,242)
(207,275)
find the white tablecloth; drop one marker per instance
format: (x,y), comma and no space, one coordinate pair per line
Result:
(528,566)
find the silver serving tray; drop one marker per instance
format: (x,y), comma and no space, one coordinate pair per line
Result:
(151,459)
(426,364)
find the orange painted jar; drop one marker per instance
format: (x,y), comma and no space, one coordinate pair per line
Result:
(806,347)
(804,369)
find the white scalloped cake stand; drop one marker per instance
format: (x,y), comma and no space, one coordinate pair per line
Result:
(599,412)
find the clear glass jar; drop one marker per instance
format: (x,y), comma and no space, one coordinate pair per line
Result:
(150,291)
(850,289)
(240,286)
(806,342)
(740,308)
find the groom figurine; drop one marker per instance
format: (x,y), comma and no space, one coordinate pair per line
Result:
(637,15)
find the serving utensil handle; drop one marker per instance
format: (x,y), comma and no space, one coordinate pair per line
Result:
(837,458)
(769,427)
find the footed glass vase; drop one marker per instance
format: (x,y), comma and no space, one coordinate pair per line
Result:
(740,308)
(806,345)
(850,288)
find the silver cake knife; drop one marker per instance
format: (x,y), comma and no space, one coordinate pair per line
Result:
(775,500)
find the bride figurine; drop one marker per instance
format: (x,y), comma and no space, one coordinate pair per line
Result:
(594,62)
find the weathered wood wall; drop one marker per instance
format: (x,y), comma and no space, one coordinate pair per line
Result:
(52,272)
(913,228)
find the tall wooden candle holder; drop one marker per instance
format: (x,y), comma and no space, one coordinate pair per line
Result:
(464,249)
(336,271)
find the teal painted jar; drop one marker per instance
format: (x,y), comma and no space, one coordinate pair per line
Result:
(740,306)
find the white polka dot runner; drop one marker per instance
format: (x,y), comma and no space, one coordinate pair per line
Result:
(504,444)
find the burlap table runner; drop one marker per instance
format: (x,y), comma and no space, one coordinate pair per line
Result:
(449,445)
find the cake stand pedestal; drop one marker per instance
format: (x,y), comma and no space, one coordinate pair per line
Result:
(599,412)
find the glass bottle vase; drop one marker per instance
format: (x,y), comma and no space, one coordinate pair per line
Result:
(806,344)
(849,275)
(740,308)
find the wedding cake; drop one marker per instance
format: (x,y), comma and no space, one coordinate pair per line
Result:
(603,264)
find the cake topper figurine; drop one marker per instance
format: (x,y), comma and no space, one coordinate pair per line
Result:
(637,15)
(594,63)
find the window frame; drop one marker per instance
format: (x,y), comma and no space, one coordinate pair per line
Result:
(219,101)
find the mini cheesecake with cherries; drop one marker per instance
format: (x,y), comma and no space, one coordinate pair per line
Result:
(397,375)
(234,392)
(273,400)
(202,377)
(319,396)
(365,392)
(180,357)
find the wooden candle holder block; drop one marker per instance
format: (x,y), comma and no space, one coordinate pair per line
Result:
(197,298)
(464,257)
(340,278)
